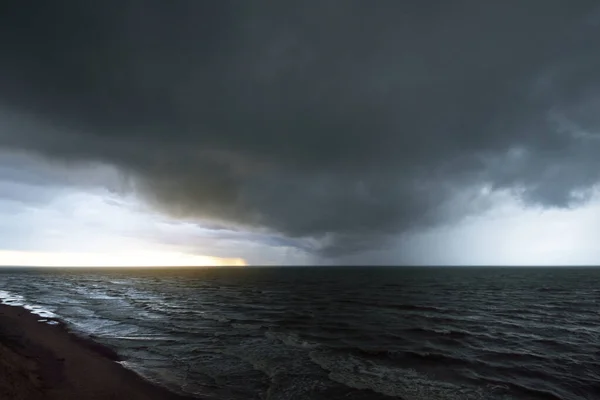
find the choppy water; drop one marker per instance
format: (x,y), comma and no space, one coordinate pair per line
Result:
(337,333)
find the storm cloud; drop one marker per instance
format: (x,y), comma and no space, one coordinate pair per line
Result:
(346,121)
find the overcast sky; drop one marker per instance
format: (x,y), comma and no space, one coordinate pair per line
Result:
(393,132)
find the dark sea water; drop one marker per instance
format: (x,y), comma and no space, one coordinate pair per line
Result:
(337,333)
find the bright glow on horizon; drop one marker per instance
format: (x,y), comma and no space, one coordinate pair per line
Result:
(125,259)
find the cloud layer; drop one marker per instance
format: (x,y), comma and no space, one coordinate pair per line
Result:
(337,120)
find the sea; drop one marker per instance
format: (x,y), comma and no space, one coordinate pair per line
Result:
(335,332)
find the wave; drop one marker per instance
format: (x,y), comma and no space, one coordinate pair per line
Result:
(450,333)
(525,391)
(145,338)
(404,383)
(291,339)
(388,305)
(247,326)
(11,299)
(413,307)
(212,316)
(418,342)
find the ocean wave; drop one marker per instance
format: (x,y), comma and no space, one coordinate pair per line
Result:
(291,339)
(11,299)
(521,390)
(146,338)
(415,307)
(212,316)
(443,332)
(427,341)
(238,325)
(429,357)
(41,311)
(272,357)
(404,383)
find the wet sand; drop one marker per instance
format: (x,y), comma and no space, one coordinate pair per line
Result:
(42,361)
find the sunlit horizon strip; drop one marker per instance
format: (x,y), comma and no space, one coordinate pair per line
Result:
(125,259)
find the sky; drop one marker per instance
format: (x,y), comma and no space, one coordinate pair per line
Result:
(315,132)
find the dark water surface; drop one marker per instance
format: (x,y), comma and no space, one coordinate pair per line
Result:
(338,333)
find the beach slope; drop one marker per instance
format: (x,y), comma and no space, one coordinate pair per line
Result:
(43,361)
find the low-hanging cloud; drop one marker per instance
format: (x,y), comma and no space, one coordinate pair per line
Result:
(342,120)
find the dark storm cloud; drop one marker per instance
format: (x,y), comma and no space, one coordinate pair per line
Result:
(344,120)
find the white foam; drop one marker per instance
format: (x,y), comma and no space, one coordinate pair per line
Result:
(145,338)
(272,358)
(291,339)
(16,300)
(391,381)
(11,299)
(42,312)
(213,317)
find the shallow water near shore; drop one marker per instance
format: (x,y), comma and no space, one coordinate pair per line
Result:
(328,333)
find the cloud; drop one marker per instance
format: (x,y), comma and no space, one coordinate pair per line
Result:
(509,234)
(57,220)
(338,121)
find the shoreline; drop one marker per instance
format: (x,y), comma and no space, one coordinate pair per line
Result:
(41,360)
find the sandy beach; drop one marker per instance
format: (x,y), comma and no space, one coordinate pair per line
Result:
(45,361)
